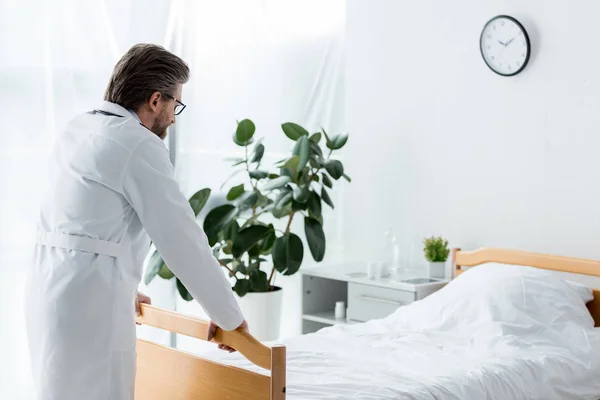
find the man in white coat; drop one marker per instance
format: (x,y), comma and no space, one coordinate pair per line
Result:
(112,190)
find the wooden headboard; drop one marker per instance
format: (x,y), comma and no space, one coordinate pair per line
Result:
(555,263)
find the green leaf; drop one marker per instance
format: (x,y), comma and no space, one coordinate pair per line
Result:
(165,272)
(226,260)
(239,266)
(253,267)
(301,194)
(277,183)
(302,151)
(316,150)
(258,174)
(293,131)
(227,248)
(154,265)
(315,137)
(283,198)
(247,200)
(327,140)
(267,243)
(258,281)
(314,163)
(230,231)
(198,200)
(292,166)
(183,292)
(254,251)
(235,192)
(217,219)
(242,144)
(240,162)
(259,151)
(245,130)
(326,198)
(286,172)
(314,204)
(338,141)
(297,206)
(346,177)
(335,168)
(315,238)
(242,286)
(248,237)
(285,210)
(288,252)
(327,182)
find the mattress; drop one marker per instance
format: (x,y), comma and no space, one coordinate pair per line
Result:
(504,335)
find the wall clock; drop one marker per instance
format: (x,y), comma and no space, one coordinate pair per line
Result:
(505,45)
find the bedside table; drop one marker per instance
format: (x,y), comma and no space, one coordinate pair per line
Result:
(364,298)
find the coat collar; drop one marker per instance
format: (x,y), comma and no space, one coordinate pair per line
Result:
(115,109)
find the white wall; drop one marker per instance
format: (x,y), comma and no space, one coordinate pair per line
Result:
(439,144)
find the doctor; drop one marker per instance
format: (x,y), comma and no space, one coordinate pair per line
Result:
(112,190)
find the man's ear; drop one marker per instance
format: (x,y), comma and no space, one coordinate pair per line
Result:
(154,100)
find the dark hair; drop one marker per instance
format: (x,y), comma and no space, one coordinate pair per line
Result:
(143,70)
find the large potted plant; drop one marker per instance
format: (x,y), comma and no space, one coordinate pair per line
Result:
(251,234)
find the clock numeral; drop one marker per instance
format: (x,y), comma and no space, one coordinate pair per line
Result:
(522,54)
(518,63)
(489,36)
(502,23)
(509,68)
(524,43)
(493,57)
(494,27)
(489,47)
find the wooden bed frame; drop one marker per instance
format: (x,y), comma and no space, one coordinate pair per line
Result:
(164,373)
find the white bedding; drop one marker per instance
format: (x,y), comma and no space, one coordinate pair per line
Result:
(496,332)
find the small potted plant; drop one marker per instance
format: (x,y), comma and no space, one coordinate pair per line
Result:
(436,252)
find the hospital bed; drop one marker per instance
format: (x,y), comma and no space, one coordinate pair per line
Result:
(364,366)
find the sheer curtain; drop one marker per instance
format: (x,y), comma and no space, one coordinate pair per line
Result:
(55,60)
(269,60)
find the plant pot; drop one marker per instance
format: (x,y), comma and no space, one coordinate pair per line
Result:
(263,313)
(437,269)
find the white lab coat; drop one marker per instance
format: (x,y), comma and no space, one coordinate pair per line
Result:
(111,185)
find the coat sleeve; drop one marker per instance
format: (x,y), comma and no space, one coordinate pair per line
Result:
(150,187)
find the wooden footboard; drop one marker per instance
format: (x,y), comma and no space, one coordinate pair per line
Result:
(164,373)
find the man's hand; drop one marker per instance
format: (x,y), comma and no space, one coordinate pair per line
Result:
(212,330)
(141,298)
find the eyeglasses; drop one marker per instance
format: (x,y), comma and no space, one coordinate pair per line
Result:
(179,107)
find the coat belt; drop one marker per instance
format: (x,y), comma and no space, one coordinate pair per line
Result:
(80,243)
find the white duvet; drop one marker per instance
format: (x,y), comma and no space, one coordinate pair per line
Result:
(496,332)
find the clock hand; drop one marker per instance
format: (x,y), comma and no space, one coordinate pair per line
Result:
(501,43)
(507,43)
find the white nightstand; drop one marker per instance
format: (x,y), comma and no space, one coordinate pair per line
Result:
(364,298)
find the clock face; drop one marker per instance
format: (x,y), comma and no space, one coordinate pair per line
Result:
(505,45)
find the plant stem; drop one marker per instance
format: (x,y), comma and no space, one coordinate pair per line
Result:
(248,170)
(287,230)
(271,276)
(231,273)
